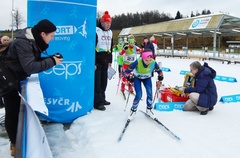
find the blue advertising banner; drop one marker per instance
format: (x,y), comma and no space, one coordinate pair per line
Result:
(166,69)
(219,78)
(230,98)
(169,106)
(68,88)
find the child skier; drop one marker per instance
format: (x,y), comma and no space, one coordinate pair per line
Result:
(129,56)
(117,49)
(142,69)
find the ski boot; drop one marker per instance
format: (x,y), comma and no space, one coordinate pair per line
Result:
(132,113)
(149,112)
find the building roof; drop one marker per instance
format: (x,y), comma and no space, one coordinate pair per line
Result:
(204,26)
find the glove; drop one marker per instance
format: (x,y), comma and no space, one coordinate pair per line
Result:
(130,79)
(160,77)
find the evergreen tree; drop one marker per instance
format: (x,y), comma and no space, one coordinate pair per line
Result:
(192,15)
(178,15)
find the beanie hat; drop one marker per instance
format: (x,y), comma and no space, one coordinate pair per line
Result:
(42,26)
(147,54)
(106,17)
(45,26)
(120,39)
(131,40)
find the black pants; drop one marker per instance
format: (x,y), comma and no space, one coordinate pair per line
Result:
(1,103)
(12,105)
(100,84)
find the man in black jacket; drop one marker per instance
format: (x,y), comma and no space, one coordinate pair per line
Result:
(103,59)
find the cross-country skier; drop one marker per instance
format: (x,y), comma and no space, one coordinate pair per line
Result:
(142,69)
(129,56)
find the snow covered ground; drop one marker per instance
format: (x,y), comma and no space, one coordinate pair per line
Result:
(95,135)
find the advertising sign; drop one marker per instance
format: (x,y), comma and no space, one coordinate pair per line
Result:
(68,88)
(200,23)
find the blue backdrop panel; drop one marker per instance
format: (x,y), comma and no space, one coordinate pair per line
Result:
(68,88)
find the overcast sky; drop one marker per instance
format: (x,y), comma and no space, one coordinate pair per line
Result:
(116,7)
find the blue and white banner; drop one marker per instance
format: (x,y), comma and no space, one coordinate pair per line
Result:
(200,23)
(183,72)
(68,88)
(166,69)
(230,98)
(169,106)
(219,78)
(34,142)
(225,78)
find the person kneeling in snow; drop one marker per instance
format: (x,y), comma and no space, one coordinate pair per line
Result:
(142,69)
(203,96)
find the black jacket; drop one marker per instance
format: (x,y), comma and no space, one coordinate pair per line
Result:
(24,57)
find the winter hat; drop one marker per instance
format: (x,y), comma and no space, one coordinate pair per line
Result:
(147,54)
(131,40)
(120,39)
(42,26)
(45,26)
(106,17)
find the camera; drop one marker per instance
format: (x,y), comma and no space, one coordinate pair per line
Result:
(58,55)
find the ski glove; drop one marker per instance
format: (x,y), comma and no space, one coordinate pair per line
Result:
(160,77)
(130,79)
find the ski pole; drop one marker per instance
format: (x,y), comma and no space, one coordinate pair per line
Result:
(127,101)
(157,88)
(120,77)
(118,84)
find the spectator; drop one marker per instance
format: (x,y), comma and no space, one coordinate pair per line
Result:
(142,69)
(103,59)
(148,45)
(23,59)
(154,42)
(5,39)
(203,96)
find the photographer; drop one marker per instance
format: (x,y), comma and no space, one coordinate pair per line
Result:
(23,59)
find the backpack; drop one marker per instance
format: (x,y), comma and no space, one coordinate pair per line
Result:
(8,81)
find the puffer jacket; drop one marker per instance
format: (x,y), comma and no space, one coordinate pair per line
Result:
(205,86)
(24,58)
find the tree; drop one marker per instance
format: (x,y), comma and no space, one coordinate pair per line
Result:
(17,19)
(208,12)
(192,15)
(204,12)
(178,15)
